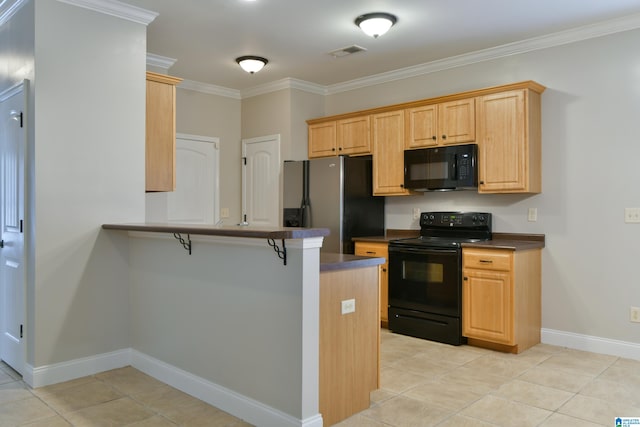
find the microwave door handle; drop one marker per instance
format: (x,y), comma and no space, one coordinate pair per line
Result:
(453,170)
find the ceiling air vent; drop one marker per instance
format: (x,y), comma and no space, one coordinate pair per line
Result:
(339,53)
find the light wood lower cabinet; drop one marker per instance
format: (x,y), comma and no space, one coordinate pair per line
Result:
(375,249)
(349,343)
(501,298)
(161,132)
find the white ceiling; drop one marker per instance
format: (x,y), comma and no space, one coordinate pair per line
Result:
(205,36)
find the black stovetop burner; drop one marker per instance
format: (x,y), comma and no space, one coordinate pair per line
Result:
(449,229)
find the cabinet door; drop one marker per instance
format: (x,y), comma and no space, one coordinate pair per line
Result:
(375,249)
(503,143)
(354,135)
(388,153)
(421,128)
(161,133)
(487,306)
(322,140)
(457,122)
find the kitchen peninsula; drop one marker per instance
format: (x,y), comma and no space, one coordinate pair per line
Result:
(243,317)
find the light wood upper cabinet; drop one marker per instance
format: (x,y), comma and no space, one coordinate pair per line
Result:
(322,139)
(354,135)
(350,136)
(447,123)
(503,120)
(509,142)
(161,132)
(501,298)
(388,153)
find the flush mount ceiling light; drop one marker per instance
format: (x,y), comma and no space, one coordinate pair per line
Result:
(375,24)
(251,64)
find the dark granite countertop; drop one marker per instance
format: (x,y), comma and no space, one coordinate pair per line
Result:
(333,261)
(511,241)
(388,236)
(219,230)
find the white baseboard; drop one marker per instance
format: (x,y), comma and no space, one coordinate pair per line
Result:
(77,368)
(246,408)
(229,401)
(590,343)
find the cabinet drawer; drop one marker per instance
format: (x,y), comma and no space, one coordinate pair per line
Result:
(372,249)
(487,259)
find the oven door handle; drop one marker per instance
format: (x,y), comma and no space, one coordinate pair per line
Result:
(424,251)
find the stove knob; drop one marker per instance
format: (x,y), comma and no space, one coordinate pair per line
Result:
(474,218)
(482,219)
(431,217)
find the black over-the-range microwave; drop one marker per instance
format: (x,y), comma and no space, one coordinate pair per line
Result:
(452,167)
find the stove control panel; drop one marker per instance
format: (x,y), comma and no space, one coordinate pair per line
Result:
(455,219)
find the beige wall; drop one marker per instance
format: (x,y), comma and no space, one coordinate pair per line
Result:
(87,168)
(305,106)
(211,115)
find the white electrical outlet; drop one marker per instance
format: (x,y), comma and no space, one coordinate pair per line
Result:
(634,314)
(224,213)
(632,215)
(533,215)
(416,213)
(348,306)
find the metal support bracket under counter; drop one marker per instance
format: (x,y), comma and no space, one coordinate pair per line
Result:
(271,234)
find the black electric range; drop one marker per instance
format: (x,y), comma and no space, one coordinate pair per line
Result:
(425,275)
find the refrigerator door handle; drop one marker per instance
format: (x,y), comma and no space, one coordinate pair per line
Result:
(306,215)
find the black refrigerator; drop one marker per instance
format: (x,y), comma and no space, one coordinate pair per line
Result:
(334,193)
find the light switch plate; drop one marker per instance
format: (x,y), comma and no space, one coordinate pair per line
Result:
(348,306)
(533,214)
(632,215)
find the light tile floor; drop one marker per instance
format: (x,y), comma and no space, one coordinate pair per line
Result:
(423,384)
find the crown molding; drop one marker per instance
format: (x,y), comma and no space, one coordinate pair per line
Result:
(163,62)
(586,32)
(287,83)
(209,89)
(117,9)
(9,8)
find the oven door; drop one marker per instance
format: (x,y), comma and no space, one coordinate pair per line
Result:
(425,279)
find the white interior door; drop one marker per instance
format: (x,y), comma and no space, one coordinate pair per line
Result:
(196,197)
(261,181)
(12,272)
